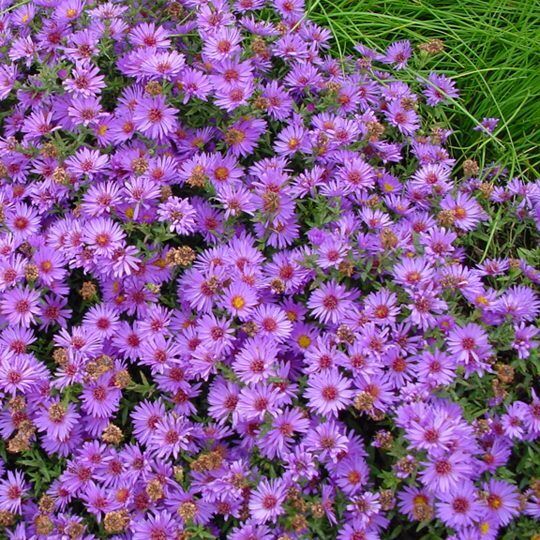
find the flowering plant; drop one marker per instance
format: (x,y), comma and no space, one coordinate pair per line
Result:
(245,291)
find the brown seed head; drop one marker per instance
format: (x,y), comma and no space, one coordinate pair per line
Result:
(432,47)
(112,434)
(88,290)
(116,522)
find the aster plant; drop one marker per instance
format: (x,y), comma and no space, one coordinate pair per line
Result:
(247,292)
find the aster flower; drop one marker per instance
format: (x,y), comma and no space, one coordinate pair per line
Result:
(12,489)
(255,401)
(272,321)
(179,213)
(150,35)
(86,80)
(22,221)
(20,306)
(279,439)
(326,440)
(103,235)
(461,507)
(446,472)
(170,437)
(501,501)
(352,474)
(239,300)
(100,399)
(330,302)
(439,88)
(487,125)
(328,392)
(405,120)
(163,65)
(469,343)
(265,503)
(154,118)
(146,417)
(57,420)
(255,361)
(398,54)
(86,162)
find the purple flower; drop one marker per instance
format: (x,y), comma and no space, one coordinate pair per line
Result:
(153,118)
(12,489)
(439,89)
(265,503)
(328,392)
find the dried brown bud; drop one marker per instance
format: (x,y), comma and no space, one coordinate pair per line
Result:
(122,379)
(386,498)
(88,290)
(333,86)
(260,103)
(250,328)
(56,412)
(43,524)
(75,530)
(446,218)
(154,489)
(182,256)
(375,131)
(6,518)
(49,150)
(116,522)
(61,176)
(299,523)
(278,286)
(388,239)
(26,249)
(31,272)
(346,268)
(19,443)
(198,177)
(271,201)
(234,136)
(112,434)
(470,167)
(175,10)
(498,389)
(432,47)
(17,404)
(178,473)
(364,63)
(46,504)
(153,88)
(481,427)
(166,192)
(259,47)
(207,462)
(317,510)
(486,189)
(422,512)
(364,401)
(139,165)
(373,201)
(99,366)
(377,415)
(408,104)
(505,373)
(60,356)
(187,511)
(344,334)
(406,465)
(384,439)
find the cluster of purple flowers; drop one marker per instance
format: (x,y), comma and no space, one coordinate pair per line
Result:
(235,298)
